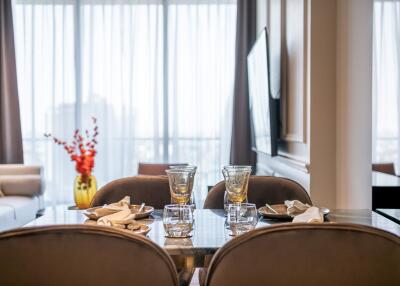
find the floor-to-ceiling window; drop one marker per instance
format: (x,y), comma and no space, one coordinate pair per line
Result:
(158,75)
(386,82)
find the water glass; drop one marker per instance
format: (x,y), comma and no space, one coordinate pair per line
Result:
(178,220)
(179,185)
(236,182)
(242,218)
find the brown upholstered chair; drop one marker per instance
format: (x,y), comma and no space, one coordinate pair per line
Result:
(82,255)
(155,169)
(387,168)
(305,254)
(151,190)
(262,190)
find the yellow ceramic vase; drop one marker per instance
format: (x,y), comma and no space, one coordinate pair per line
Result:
(84,191)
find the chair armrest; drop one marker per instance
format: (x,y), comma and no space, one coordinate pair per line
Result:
(21,185)
(17,169)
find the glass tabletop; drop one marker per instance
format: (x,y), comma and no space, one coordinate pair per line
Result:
(209,232)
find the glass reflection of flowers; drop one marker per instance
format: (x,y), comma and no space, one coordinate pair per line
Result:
(82,151)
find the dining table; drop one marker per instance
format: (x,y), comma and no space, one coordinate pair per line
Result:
(210,230)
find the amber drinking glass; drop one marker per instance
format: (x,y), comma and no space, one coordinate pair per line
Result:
(179,185)
(236,182)
(226,197)
(192,172)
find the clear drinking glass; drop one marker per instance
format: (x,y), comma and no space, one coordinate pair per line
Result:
(242,218)
(178,220)
(179,185)
(236,182)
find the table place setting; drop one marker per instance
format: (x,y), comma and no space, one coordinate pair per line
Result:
(120,215)
(296,211)
(178,217)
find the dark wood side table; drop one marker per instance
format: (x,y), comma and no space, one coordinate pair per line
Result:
(385,191)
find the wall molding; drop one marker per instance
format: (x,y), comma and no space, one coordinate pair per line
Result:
(294,99)
(281,166)
(291,27)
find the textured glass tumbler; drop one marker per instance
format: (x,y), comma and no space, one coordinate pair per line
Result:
(178,220)
(242,218)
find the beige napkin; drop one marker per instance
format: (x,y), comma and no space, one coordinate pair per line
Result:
(117,219)
(311,215)
(114,207)
(296,207)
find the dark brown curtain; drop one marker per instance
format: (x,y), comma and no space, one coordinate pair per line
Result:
(10,124)
(241,152)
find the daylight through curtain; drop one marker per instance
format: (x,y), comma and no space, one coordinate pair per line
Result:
(158,75)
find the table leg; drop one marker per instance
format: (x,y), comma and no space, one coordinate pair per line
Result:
(185,266)
(185,276)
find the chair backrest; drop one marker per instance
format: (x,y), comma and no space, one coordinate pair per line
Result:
(156,169)
(151,190)
(387,168)
(82,255)
(262,190)
(305,254)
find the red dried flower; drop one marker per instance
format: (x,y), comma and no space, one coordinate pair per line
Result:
(81,152)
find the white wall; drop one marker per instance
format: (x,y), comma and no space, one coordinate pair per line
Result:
(354,103)
(326,98)
(322,97)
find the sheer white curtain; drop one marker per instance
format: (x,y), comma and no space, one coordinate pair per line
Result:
(386,82)
(201,43)
(157,74)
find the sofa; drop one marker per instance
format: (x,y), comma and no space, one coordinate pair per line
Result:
(21,194)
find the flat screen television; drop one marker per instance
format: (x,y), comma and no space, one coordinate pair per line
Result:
(264,108)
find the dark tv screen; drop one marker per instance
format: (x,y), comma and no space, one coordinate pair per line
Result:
(264,108)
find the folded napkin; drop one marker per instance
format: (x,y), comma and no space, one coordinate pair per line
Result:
(114,207)
(311,215)
(118,215)
(117,219)
(296,207)
(122,219)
